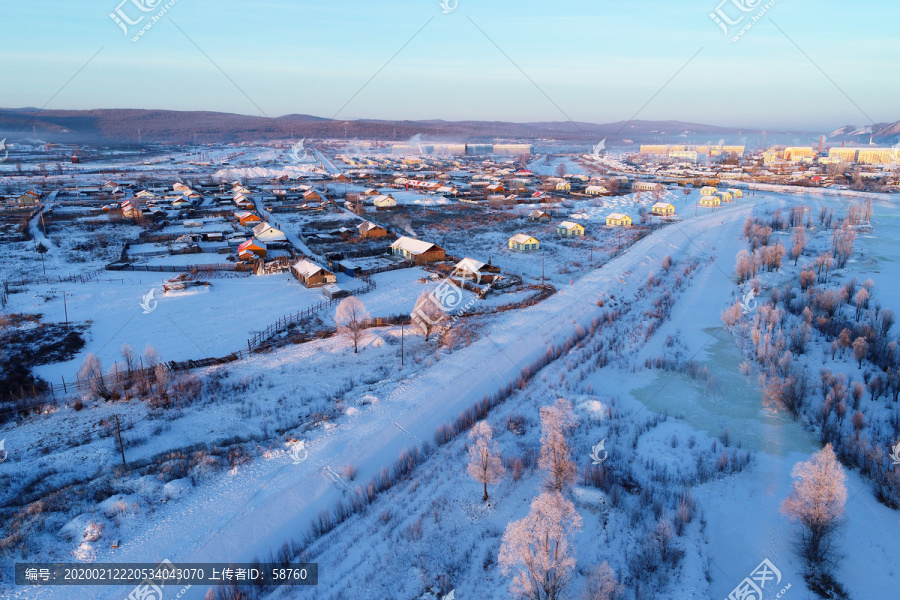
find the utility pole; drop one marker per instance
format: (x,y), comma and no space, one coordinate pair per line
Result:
(66,308)
(401,345)
(121,447)
(542,270)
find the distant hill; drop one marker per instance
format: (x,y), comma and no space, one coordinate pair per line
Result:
(120,126)
(880,133)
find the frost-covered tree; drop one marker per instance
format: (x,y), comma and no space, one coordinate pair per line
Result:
(559,471)
(428,313)
(350,318)
(798,243)
(744,266)
(485,465)
(537,550)
(860,349)
(817,502)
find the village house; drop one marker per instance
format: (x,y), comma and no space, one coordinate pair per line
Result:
(569,228)
(646,186)
(254,247)
(725,196)
(246,218)
(418,251)
(475,270)
(384,201)
(708,190)
(618,220)
(524,242)
(563,186)
(267,233)
(29,197)
(312,275)
(242,201)
(662,209)
(710,201)
(369,229)
(370,192)
(311,195)
(130,210)
(595,190)
(538,215)
(736,193)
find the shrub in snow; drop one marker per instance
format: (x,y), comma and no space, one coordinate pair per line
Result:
(602,584)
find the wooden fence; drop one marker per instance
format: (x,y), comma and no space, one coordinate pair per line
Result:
(181,269)
(109,381)
(260,338)
(84,278)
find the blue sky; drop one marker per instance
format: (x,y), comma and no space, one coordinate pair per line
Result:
(596,61)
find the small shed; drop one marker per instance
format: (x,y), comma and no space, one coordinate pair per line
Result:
(333,291)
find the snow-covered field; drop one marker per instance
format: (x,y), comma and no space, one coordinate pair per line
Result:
(640,343)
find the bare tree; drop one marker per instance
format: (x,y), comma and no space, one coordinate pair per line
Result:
(602,584)
(556,458)
(562,169)
(128,357)
(428,313)
(91,373)
(537,549)
(350,318)
(817,503)
(485,465)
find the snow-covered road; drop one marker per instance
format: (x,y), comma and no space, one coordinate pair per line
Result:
(253,511)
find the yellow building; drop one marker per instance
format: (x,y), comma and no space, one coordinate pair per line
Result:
(878,156)
(843,154)
(710,201)
(708,190)
(739,150)
(832,160)
(563,186)
(654,149)
(736,192)
(662,209)
(618,220)
(772,156)
(795,153)
(523,241)
(569,228)
(725,196)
